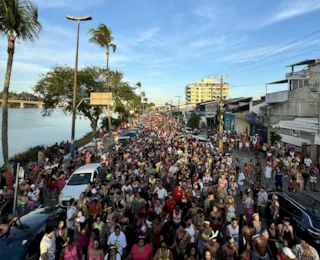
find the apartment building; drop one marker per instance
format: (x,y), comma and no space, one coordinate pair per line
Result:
(207,89)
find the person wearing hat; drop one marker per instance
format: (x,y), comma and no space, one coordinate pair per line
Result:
(204,235)
(213,245)
(229,250)
(286,254)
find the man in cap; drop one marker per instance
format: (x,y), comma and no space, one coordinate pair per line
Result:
(213,246)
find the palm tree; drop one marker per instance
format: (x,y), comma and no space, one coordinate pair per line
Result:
(102,36)
(18,20)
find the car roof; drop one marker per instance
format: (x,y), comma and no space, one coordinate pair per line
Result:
(31,221)
(123,137)
(87,168)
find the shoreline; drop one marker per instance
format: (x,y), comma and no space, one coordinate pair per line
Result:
(32,152)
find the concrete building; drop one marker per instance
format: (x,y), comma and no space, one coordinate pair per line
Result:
(207,89)
(294,113)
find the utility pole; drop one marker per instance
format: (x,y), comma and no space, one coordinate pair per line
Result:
(221,115)
(178,102)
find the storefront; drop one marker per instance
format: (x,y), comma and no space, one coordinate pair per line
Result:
(257,128)
(229,120)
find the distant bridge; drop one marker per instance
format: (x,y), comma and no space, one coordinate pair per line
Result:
(39,104)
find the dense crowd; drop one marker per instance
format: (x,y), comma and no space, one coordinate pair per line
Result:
(165,196)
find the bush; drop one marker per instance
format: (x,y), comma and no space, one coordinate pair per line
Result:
(194,121)
(29,155)
(275,137)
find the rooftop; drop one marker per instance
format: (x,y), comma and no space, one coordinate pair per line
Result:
(278,82)
(306,62)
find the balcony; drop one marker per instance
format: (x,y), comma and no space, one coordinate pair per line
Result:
(298,74)
(277,97)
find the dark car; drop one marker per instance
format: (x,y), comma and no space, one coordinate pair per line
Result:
(131,134)
(22,241)
(304,213)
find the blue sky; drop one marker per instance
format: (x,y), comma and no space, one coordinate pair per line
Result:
(169,43)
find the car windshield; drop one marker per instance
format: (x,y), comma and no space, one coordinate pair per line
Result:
(79,179)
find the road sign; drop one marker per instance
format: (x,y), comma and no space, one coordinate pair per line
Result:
(100,98)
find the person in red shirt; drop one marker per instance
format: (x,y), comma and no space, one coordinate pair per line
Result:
(9,179)
(170,203)
(141,250)
(178,193)
(95,209)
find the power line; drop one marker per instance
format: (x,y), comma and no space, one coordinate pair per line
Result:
(274,62)
(269,52)
(282,51)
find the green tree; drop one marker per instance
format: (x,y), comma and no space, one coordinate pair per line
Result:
(102,36)
(56,88)
(275,137)
(194,121)
(18,21)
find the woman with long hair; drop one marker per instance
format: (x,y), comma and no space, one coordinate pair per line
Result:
(163,253)
(95,253)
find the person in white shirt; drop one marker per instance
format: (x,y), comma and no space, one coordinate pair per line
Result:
(117,239)
(307,161)
(268,174)
(162,192)
(71,214)
(126,187)
(262,201)
(241,179)
(33,193)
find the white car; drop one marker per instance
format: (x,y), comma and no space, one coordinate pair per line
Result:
(77,183)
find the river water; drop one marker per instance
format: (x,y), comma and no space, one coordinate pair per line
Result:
(27,128)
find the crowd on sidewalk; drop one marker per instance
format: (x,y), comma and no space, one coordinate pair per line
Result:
(168,196)
(282,161)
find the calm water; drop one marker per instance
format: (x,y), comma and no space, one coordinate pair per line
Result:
(27,128)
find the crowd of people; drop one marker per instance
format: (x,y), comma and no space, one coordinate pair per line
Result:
(165,196)
(279,155)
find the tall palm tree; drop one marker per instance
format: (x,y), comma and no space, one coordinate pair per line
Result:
(102,36)
(18,21)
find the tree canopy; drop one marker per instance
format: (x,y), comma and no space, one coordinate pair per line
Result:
(56,88)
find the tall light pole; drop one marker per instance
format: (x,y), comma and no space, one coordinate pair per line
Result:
(74,97)
(178,102)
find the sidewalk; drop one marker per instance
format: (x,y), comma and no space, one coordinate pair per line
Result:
(245,156)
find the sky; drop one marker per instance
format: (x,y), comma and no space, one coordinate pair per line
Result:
(168,44)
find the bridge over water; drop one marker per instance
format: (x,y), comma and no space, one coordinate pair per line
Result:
(39,104)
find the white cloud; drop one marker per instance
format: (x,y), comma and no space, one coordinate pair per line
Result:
(76,4)
(147,34)
(207,42)
(293,9)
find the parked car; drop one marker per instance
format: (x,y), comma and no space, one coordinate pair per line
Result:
(77,183)
(131,134)
(124,140)
(304,213)
(22,241)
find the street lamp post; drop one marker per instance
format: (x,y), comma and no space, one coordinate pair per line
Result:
(74,97)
